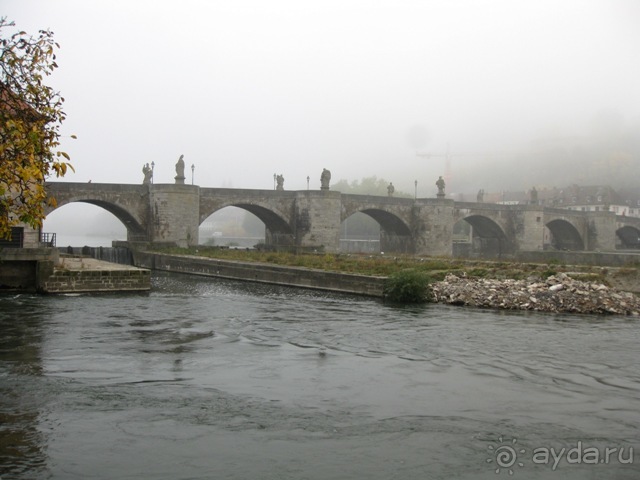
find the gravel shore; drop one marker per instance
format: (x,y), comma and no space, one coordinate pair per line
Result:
(557,293)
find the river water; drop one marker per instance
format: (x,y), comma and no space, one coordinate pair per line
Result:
(208,379)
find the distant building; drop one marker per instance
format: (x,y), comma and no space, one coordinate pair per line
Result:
(588,198)
(594,198)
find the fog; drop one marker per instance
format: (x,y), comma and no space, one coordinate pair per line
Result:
(248,88)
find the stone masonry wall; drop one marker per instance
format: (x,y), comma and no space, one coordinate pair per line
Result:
(529,229)
(67,281)
(433,228)
(26,268)
(601,234)
(317,220)
(175,214)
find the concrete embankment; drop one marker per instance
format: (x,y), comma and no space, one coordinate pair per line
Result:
(83,275)
(261,272)
(46,270)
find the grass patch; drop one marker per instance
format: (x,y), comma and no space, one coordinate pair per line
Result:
(362,264)
(479,272)
(435,268)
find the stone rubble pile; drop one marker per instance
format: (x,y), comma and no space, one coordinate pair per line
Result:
(558,293)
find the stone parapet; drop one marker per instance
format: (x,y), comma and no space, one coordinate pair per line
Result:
(29,254)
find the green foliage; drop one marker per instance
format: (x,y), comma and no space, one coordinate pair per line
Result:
(590,277)
(478,272)
(30,118)
(407,286)
(367,186)
(548,272)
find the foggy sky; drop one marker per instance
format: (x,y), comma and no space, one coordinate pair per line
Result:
(248,88)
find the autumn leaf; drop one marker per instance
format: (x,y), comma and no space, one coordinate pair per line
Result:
(30,118)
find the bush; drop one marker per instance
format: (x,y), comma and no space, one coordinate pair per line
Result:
(407,286)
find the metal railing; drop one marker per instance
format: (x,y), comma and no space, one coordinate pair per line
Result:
(48,239)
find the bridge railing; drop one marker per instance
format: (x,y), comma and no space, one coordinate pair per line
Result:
(47,239)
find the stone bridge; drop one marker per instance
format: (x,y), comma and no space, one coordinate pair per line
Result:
(311,219)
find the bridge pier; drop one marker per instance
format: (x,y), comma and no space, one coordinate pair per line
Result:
(278,240)
(173,210)
(394,243)
(601,231)
(316,220)
(528,228)
(432,227)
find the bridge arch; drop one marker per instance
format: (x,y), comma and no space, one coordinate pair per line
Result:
(389,222)
(232,226)
(135,231)
(272,220)
(395,234)
(278,231)
(564,235)
(360,233)
(628,236)
(488,237)
(128,203)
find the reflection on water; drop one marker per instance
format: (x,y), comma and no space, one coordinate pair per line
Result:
(22,444)
(204,378)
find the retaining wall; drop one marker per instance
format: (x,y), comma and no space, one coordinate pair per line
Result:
(24,269)
(77,281)
(609,259)
(260,272)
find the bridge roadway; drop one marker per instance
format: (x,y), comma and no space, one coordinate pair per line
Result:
(311,219)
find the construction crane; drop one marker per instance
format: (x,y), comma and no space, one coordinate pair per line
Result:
(447,161)
(448,157)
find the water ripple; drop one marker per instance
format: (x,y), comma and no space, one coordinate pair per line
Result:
(196,377)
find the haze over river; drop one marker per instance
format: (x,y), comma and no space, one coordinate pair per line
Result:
(210,379)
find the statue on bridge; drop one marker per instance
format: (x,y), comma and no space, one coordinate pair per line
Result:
(280,182)
(148,172)
(180,171)
(325,178)
(440,185)
(391,189)
(480,196)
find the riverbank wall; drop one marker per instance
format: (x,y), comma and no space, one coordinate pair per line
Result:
(46,270)
(25,269)
(116,254)
(261,272)
(602,259)
(88,275)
